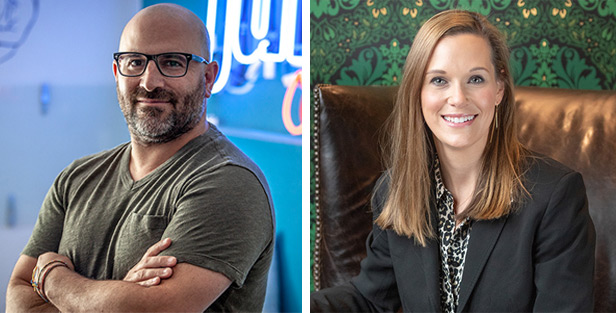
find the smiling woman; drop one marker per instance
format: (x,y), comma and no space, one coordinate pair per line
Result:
(460,94)
(466,218)
(457,68)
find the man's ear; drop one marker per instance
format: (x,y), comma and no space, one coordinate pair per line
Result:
(211,71)
(115,71)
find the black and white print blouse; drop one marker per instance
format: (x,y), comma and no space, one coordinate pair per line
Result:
(453,242)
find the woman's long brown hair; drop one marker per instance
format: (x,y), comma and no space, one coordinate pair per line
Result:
(411,152)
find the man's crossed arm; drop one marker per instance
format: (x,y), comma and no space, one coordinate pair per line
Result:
(156,283)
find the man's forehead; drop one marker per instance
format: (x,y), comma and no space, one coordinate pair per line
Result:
(162,28)
(162,32)
(166,11)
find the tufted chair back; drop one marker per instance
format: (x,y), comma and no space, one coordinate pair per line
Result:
(575,127)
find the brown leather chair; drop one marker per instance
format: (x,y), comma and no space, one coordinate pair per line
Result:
(575,127)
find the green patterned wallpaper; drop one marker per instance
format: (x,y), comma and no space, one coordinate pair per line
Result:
(554,43)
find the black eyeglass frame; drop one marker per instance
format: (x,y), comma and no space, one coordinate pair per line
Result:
(154,57)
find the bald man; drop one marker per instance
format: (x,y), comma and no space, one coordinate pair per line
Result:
(178,219)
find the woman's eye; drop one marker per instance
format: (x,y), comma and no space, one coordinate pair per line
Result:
(476,80)
(439,81)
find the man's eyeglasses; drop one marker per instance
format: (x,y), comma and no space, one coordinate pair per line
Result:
(170,64)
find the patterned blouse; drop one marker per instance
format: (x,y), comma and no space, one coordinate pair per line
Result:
(453,242)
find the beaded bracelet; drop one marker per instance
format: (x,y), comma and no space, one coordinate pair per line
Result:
(38,277)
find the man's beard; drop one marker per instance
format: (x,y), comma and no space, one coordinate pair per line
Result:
(152,125)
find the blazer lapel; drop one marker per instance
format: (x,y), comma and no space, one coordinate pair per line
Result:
(431,266)
(423,265)
(484,236)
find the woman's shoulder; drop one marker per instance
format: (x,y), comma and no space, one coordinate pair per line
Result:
(543,169)
(546,178)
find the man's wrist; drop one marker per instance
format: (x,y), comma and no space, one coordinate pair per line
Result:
(39,275)
(49,279)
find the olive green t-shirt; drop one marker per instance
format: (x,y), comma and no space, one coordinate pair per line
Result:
(209,198)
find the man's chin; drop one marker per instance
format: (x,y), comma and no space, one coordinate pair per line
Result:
(148,140)
(151,131)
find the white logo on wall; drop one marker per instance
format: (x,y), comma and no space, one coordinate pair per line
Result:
(16,20)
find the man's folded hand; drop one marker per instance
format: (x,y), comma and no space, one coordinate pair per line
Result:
(152,269)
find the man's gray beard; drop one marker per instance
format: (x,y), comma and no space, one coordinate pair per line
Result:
(149,125)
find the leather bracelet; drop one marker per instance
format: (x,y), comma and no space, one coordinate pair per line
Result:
(38,277)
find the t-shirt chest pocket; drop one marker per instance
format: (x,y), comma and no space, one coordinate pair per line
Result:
(136,234)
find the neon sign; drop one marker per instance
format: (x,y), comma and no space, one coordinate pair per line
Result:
(259,26)
(286,106)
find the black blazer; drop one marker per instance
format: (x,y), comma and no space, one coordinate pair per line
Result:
(540,258)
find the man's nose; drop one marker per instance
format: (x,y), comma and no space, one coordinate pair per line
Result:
(151,78)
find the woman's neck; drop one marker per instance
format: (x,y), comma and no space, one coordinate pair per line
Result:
(460,171)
